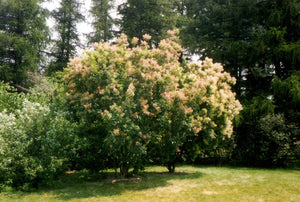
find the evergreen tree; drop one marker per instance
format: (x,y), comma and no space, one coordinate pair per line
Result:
(23,36)
(153,17)
(221,30)
(281,22)
(275,44)
(103,22)
(67,16)
(252,39)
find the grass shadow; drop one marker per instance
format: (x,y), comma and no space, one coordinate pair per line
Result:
(82,185)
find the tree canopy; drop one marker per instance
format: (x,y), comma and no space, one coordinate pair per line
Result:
(67,16)
(103,22)
(23,37)
(141,17)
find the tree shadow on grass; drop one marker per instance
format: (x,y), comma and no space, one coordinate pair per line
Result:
(78,186)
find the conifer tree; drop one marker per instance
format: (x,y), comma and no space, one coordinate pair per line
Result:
(103,22)
(66,16)
(153,17)
(252,39)
(23,36)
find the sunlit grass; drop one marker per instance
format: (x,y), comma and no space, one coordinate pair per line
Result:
(190,183)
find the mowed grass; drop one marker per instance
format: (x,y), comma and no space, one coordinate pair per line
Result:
(189,183)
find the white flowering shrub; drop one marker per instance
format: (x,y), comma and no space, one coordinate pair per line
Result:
(34,145)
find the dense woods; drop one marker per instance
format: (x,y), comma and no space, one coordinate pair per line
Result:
(134,97)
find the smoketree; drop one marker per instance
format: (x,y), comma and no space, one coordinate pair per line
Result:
(143,95)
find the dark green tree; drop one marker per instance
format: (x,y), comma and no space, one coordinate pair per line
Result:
(66,17)
(287,96)
(281,22)
(103,22)
(223,31)
(153,17)
(252,39)
(274,49)
(23,37)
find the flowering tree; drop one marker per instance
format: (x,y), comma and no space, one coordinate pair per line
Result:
(142,95)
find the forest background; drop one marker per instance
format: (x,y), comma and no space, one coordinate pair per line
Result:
(257,42)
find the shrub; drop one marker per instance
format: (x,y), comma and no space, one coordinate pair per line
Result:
(34,145)
(278,140)
(10,100)
(142,95)
(268,134)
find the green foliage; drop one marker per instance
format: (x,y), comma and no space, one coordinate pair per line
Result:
(287,96)
(103,22)
(141,17)
(140,94)
(67,16)
(252,39)
(10,100)
(35,141)
(217,29)
(23,36)
(264,137)
(281,23)
(278,140)
(257,108)
(246,135)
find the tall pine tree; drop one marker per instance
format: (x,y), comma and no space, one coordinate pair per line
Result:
(103,22)
(221,30)
(23,36)
(66,16)
(153,17)
(281,22)
(252,39)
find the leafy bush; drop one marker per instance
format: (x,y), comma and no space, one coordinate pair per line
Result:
(142,95)
(287,96)
(245,136)
(265,138)
(10,100)
(278,140)
(34,145)
(268,133)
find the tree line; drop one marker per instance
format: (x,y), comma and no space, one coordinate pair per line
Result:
(257,42)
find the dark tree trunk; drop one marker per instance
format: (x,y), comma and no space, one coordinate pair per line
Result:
(171,167)
(124,170)
(238,76)
(278,70)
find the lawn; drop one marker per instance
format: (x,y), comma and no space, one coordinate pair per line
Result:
(189,183)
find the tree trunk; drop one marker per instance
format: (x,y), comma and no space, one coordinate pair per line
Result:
(278,70)
(171,167)
(238,75)
(124,170)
